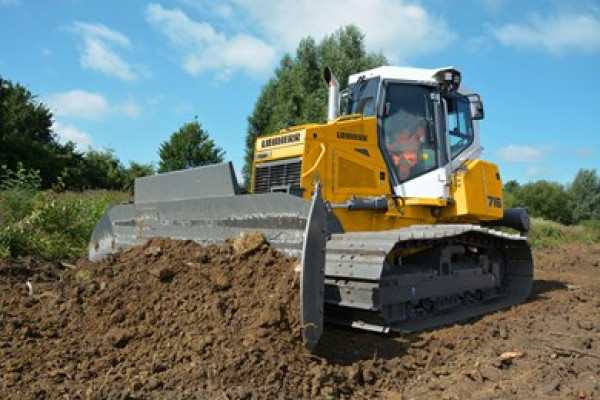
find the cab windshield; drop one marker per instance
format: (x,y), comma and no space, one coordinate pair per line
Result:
(408,135)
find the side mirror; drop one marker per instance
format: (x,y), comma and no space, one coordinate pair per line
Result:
(477,111)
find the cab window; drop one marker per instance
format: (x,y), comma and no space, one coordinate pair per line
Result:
(460,126)
(406,122)
(361,97)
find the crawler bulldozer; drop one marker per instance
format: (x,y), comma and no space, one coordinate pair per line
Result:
(387,206)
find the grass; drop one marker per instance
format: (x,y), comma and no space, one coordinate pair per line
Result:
(548,233)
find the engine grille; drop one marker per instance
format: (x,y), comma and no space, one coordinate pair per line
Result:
(277,175)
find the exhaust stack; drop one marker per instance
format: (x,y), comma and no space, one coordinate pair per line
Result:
(334,89)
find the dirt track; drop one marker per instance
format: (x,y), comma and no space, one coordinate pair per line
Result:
(173,320)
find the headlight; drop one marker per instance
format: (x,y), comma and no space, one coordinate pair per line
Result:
(449,79)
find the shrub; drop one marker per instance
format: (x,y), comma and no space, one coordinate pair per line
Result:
(58,224)
(22,178)
(17,193)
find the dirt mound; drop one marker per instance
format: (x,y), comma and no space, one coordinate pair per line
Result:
(172,319)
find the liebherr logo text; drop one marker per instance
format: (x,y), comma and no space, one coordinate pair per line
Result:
(276,141)
(352,136)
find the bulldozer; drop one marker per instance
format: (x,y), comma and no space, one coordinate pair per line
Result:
(387,206)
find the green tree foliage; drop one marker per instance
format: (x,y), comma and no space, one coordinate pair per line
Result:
(26,134)
(297,93)
(548,200)
(103,170)
(189,147)
(22,117)
(137,170)
(570,204)
(509,191)
(585,192)
(27,143)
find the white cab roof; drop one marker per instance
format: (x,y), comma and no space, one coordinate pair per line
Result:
(418,75)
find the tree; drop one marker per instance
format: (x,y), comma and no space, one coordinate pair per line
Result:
(26,135)
(21,115)
(509,193)
(545,199)
(27,143)
(103,170)
(297,93)
(189,147)
(585,192)
(136,170)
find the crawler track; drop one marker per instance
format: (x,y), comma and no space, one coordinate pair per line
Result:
(423,277)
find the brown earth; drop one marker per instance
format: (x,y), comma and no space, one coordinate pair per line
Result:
(172,319)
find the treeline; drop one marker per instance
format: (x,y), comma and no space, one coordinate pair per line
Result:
(568,204)
(29,145)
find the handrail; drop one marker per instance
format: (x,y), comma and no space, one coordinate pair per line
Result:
(304,175)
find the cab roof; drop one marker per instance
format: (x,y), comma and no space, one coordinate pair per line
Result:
(424,76)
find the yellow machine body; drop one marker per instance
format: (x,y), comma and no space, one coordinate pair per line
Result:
(346,158)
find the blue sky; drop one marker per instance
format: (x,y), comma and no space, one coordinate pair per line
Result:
(125,75)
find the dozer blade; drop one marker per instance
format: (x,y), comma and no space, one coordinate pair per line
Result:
(205,205)
(424,277)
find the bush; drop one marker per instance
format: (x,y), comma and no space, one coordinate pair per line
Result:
(570,204)
(543,199)
(17,193)
(15,204)
(57,226)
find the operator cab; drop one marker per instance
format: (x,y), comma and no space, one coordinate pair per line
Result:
(427,124)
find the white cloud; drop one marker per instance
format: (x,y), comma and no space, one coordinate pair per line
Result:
(493,6)
(477,44)
(89,105)
(79,103)
(129,108)
(183,108)
(534,172)
(224,10)
(98,52)
(102,32)
(524,154)
(205,49)
(400,29)
(68,133)
(556,35)
(585,152)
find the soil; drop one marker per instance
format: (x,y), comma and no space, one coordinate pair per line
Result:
(172,319)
